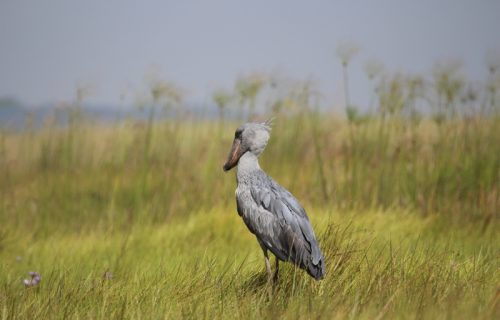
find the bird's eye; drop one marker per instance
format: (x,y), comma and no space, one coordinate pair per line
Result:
(237,134)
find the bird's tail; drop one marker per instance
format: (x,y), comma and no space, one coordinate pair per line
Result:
(317,271)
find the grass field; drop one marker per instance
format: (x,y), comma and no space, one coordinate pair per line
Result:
(380,264)
(137,220)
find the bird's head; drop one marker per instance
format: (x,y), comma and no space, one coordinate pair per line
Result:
(250,137)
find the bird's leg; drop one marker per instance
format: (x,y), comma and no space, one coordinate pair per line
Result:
(275,277)
(268,264)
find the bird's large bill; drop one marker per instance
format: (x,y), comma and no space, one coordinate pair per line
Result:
(234,155)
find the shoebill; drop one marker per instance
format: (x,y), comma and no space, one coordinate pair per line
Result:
(270,211)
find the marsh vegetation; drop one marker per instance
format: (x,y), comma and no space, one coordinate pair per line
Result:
(136,219)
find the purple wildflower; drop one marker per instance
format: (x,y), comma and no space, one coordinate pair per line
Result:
(35,279)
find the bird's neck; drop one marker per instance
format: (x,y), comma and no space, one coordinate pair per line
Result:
(247,165)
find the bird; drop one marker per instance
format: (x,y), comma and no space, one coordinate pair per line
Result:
(269,211)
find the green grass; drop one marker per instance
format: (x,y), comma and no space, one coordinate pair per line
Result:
(406,214)
(379,264)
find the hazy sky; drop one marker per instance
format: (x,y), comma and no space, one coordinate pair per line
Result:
(47,48)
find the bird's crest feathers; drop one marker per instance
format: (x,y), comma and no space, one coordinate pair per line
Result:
(268,124)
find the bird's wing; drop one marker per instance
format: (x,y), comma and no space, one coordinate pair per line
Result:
(300,215)
(287,227)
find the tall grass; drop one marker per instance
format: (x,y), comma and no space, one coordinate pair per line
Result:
(136,219)
(379,265)
(450,168)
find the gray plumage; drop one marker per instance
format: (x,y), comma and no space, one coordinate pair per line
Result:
(269,211)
